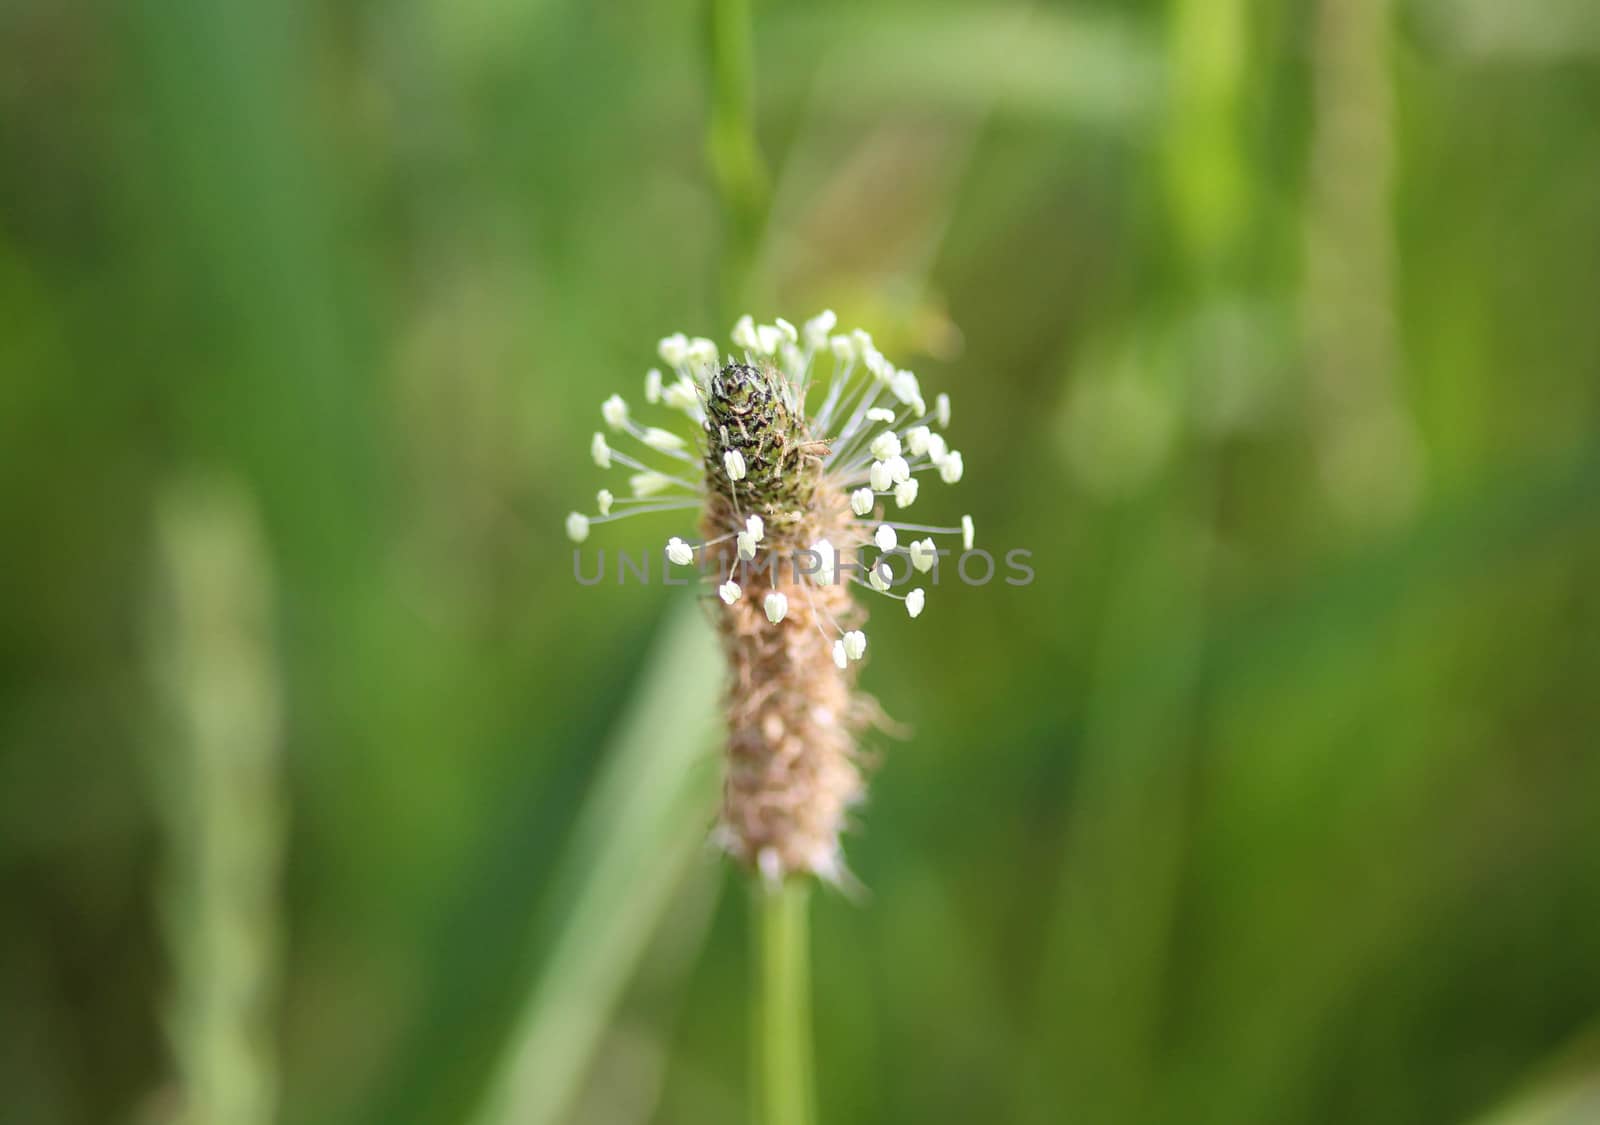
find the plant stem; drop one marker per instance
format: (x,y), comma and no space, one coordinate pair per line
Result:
(782,1082)
(736,165)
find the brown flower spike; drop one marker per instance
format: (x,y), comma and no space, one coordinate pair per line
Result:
(791,504)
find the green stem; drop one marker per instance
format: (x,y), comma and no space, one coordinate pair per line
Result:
(736,164)
(782,1011)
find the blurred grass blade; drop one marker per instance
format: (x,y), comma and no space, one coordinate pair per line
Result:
(643,824)
(1061,67)
(1568,1095)
(220,803)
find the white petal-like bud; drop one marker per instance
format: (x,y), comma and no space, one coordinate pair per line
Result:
(879,477)
(840,657)
(615,412)
(899,469)
(861,501)
(941,405)
(924,552)
(777,607)
(733,461)
(855,644)
(917,440)
(886,445)
(648,484)
(652,386)
(885,537)
(605,500)
(905,493)
(600,451)
(664,440)
(966,533)
(951,468)
(729,592)
(679,552)
(915,601)
(577,527)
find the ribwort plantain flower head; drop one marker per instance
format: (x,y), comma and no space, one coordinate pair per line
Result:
(790,450)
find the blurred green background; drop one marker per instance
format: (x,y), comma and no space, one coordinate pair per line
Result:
(326,796)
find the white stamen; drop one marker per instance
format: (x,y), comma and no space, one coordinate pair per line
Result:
(577,527)
(951,468)
(938,448)
(777,607)
(885,537)
(966,533)
(827,572)
(840,657)
(818,327)
(680,396)
(733,461)
(674,349)
(600,451)
(615,412)
(941,405)
(729,592)
(924,552)
(744,333)
(879,477)
(703,351)
(915,601)
(605,500)
(756,527)
(880,414)
(843,348)
(664,440)
(917,440)
(746,544)
(855,644)
(885,445)
(861,501)
(899,469)
(878,577)
(768,339)
(905,493)
(788,330)
(648,484)
(882,370)
(905,388)
(679,552)
(652,386)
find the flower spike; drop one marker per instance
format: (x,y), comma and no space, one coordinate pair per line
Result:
(789,450)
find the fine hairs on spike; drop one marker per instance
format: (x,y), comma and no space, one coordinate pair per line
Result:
(794,476)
